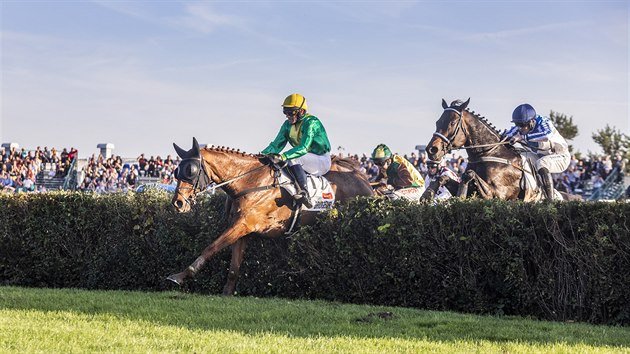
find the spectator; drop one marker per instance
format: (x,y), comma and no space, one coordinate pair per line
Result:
(598,182)
(142,164)
(73,154)
(8,184)
(371,170)
(619,165)
(64,156)
(28,185)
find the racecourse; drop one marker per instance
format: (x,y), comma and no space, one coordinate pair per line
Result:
(80,321)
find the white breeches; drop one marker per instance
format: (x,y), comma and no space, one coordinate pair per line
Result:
(313,164)
(556,163)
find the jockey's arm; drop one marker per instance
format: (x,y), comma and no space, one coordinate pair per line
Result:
(450,174)
(540,145)
(279,142)
(309,130)
(510,132)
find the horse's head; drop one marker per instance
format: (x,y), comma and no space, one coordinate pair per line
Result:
(450,132)
(191,176)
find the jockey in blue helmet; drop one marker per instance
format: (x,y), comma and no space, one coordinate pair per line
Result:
(540,135)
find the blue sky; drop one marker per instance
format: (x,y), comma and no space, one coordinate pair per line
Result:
(144,74)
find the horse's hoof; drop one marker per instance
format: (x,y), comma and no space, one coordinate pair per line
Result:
(176,278)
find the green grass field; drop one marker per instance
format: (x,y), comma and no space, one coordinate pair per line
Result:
(80,321)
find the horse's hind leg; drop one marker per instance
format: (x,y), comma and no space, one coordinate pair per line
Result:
(238,251)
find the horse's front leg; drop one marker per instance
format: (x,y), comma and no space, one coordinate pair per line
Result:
(462,190)
(231,235)
(238,251)
(432,188)
(485,190)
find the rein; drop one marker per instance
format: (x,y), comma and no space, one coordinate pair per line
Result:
(196,184)
(449,144)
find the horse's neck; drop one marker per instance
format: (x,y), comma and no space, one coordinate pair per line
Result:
(226,166)
(481,135)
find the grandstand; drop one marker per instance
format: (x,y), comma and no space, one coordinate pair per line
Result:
(105,172)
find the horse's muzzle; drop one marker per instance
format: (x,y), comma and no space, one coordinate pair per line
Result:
(181,205)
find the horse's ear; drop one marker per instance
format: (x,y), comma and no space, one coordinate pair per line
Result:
(464,105)
(180,152)
(444,105)
(195,148)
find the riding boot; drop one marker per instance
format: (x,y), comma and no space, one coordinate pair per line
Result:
(301,194)
(546,183)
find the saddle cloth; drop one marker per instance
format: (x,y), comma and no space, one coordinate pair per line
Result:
(412,194)
(319,190)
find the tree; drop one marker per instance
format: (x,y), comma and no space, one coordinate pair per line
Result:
(565,126)
(612,141)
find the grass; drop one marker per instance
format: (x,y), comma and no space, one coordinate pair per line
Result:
(79,321)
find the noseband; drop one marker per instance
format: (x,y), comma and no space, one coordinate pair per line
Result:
(449,141)
(198,182)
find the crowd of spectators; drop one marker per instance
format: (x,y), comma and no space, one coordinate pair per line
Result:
(590,174)
(109,175)
(19,168)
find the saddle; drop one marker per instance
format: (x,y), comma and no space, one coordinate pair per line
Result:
(530,180)
(319,190)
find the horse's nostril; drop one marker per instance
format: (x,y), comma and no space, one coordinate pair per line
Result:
(178,204)
(432,150)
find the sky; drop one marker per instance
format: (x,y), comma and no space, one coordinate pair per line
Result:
(144,74)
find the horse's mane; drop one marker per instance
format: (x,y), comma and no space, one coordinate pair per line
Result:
(492,128)
(229,150)
(485,121)
(343,163)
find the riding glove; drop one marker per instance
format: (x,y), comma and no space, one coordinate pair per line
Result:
(273,159)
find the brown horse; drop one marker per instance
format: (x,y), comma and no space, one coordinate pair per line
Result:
(256,204)
(495,167)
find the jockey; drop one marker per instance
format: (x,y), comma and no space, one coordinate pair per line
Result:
(395,169)
(539,134)
(435,170)
(311,148)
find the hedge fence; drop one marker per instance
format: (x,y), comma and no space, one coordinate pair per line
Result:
(559,261)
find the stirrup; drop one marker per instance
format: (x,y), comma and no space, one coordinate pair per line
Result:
(302,197)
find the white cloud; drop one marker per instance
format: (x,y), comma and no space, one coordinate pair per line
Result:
(203,18)
(523,32)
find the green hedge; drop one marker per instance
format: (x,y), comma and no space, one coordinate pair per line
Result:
(561,261)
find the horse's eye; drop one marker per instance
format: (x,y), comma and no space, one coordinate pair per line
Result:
(192,170)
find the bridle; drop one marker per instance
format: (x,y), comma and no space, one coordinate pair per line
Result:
(199,183)
(449,142)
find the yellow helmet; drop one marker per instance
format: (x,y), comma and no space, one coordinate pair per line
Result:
(295,101)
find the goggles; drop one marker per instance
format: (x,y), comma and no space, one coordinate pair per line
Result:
(290,111)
